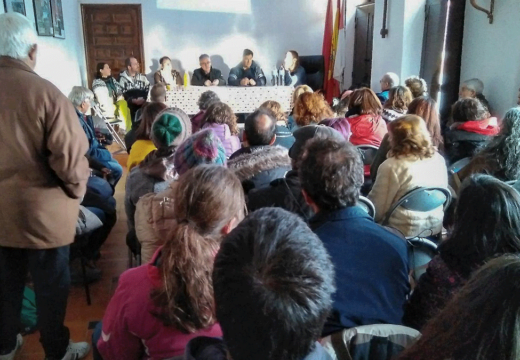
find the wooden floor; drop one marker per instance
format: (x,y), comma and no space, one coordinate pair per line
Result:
(80,317)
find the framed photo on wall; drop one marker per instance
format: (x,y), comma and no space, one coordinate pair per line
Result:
(43,17)
(57,19)
(15,6)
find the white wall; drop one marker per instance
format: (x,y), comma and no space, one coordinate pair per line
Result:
(60,60)
(272,28)
(492,52)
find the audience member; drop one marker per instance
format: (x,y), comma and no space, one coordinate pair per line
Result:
(167,75)
(294,73)
(158,307)
(284,136)
(134,84)
(426,109)
(487,224)
(470,131)
(388,81)
(222,120)
(206,99)
(206,75)
(247,73)
(397,104)
(310,109)
(44,174)
(501,156)
(296,94)
(80,98)
(143,143)
(259,162)
(107,91)
(272,262)
(371,263)
(412,162)
(153,213)
(417,86)
(157,170)
(339,124)
(286,192)
(481,322)
(364,117)
(474,88)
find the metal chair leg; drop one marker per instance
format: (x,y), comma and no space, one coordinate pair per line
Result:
(85,282)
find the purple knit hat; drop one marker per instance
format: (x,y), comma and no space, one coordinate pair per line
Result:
(204,147)
(340,124)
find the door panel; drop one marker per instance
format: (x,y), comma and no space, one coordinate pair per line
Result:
(362,70)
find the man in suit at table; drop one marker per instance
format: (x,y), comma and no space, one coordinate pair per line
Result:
(247,73)
(206,75)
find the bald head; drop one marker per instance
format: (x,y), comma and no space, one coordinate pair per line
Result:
(389,80)
(260,128)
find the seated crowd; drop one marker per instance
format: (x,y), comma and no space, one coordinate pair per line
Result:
(262,244)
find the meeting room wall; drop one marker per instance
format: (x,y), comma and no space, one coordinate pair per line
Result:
(491,52)
(270,28)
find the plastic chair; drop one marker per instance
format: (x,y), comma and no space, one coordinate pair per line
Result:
(368,154)
(315,68)
(367,205)
(458,165)
(420,253)
(421,199)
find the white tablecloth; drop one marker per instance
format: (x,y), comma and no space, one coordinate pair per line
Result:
(240,99)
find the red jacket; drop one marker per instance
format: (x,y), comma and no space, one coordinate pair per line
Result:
(367,129)
(130,331)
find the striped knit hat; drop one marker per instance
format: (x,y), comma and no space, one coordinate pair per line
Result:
(204,147)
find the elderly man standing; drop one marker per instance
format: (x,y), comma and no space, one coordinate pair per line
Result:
(43,175)
(207,75)
(388,81)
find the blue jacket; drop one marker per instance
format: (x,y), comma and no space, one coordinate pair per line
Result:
(254,72)
(95,150)
(371,269)
(296,78)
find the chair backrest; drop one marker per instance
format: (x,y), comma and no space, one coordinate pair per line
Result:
(381,341)
(315,69)
(368,153)
(458,165)
(420,253)
(421,199)
(367,205)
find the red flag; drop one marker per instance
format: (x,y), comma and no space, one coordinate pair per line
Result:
(327,43)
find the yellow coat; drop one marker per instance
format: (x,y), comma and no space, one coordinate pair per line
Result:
(139,150)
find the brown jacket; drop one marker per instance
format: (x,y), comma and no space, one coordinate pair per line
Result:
(158,78)
(43,168)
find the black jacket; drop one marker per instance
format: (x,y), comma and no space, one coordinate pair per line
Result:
(257,166)
(285,193)
(254,72)
(460,144)
(199,77)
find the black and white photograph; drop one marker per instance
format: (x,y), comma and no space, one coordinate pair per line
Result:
(57,19)
(43,17)
(14,6)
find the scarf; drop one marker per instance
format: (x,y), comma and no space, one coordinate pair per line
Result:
(487,127)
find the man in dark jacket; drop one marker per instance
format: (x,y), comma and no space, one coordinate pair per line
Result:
(272,261)
(80,98)
(207,75)
(286,192)
(371,263)
(259,162)
(247,73)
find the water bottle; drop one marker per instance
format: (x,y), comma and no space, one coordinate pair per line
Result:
(186,79)
(273,78)
(282,76)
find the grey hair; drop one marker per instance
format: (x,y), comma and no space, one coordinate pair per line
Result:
(392,79)
(474,84)
(18,36)
(203,56)
(79,94)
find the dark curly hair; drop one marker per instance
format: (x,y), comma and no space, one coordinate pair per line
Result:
(311,108)
(331,173)
(468,109)
(206,99)
(221,113)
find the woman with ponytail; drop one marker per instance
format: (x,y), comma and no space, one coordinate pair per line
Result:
(158,307)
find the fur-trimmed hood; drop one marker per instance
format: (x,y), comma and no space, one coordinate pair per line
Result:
(256,160)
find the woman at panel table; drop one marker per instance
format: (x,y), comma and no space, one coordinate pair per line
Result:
(107,90)
(167,75)
(294,74)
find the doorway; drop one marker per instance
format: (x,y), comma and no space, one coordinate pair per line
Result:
(112,33)
(363,44)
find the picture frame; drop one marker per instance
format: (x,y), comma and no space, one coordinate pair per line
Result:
(57,19)
(43,17)
(15,6)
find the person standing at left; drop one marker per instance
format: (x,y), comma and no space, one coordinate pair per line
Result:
(43,176)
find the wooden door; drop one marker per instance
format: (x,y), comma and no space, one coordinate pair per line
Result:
(364,35)
(112,33)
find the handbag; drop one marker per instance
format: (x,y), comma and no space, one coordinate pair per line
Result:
(87,222)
